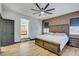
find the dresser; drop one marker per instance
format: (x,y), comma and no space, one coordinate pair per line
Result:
(74,40)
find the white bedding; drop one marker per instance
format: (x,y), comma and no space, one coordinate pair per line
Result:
(56,38)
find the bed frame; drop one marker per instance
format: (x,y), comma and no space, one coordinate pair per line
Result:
(51,46)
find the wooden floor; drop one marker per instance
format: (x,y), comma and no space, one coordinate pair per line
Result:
(30,49)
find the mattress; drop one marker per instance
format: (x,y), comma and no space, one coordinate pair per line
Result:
(59,39)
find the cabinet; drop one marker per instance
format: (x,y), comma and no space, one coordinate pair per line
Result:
(74,40)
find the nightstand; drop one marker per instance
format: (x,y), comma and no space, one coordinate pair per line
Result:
(74,40)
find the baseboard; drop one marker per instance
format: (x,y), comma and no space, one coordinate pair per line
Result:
(19,42)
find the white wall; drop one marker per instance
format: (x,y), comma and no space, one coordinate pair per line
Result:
(0,7)
(34,27)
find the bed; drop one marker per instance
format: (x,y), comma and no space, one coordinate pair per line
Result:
(54,41)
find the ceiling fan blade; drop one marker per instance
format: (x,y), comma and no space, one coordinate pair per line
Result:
(34,10)
(48,12)
(36,13)
(38,6)
(39,14)
(46,6)
(50,9)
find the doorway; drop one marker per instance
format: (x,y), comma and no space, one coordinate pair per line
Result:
(24,29)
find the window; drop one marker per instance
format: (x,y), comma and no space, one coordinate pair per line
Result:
(46,24)
(46,30)
(46,27)
(74,26)
(74,30)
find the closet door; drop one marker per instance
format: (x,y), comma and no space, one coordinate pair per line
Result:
(8,32)
(4,32)
(0,29)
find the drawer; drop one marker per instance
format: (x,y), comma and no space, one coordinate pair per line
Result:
(50,46)
(74,44)
(39,42)
(74,40)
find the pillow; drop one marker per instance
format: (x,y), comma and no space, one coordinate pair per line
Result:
(51,33)
(60,34)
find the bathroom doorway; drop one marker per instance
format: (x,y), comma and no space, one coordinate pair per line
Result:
(24,29)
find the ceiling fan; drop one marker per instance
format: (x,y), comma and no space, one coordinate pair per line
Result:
(42,10)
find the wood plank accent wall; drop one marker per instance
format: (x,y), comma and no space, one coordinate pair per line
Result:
(64,19)
(59,28)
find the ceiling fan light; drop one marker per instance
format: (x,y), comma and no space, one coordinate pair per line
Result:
(42,12)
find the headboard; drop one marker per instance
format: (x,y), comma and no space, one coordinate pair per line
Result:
(63,28)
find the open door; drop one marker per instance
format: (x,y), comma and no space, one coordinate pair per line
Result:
(24,29)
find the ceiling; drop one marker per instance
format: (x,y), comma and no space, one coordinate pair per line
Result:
(60,9)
